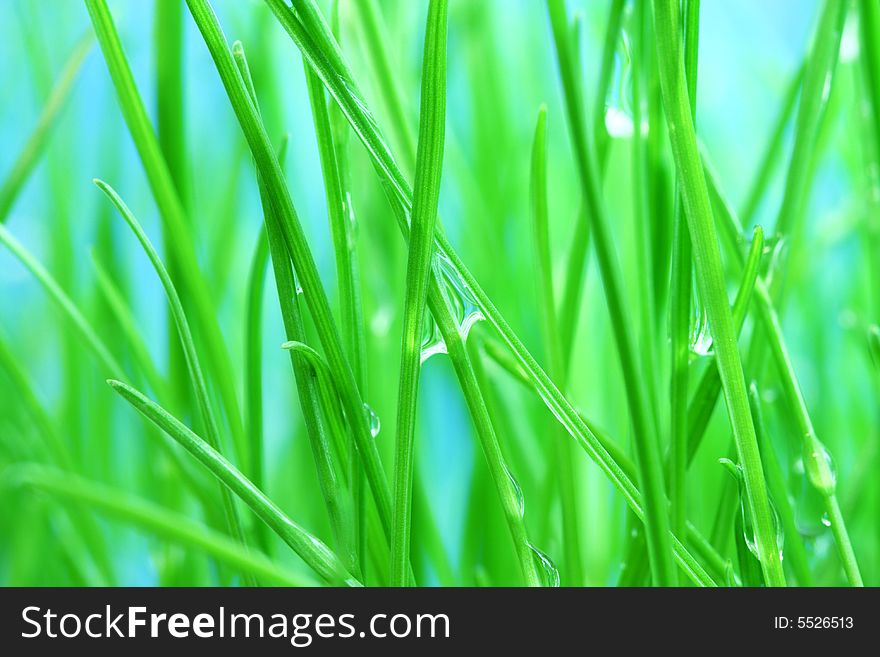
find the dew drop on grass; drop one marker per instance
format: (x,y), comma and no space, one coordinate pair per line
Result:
(517,491)
(819,467)
(826,520)
(748,527)
(464,304)
(618,104)
(373,419)
(548,570)
(466,311)
(432,341)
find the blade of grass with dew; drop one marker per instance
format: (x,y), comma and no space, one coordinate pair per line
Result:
(429,166)
(647,449)
(309,393)
(612,35)
(553,349)
(315,554)
(196,376)
(817,460)
(273,179)
(705,396)
(463,368)
(172,213)
(707,257)
(35,145)
(342,87)
(711,559)
(153,519)
(794,544)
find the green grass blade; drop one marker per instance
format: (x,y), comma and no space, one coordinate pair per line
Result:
(153,519)
(794,545)
(316,555)
(818,78)
(253,357)
(67,306)
(272,177)
(773,154)
(39,136)
(815,455)
(573,571)
(172,212)
(705,396)
(710,276)
(429,166)
(313,397)
(680,303)
(647,449)
(196,376)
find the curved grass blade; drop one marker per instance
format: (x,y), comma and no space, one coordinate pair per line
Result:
(173,215)
(154,519)
(316,555)
(189,350)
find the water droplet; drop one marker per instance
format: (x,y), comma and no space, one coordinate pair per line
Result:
(432,341)
(819,466)
(299,289)
(466,311)
(548,570)
(517,491)
(748,528)
(826,520)
(701,334)
(461,298)
(373,420)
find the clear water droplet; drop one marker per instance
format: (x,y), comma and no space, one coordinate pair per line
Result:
(819,466)
(618,103)
(517,491)
(373,420)
(461,298)
(826,520)
(432,341)
(549,572)
(299,289)
(701,334)
(747,525)
(466,311)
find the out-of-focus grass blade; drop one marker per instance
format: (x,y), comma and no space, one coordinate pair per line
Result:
(317,555)
(154,519)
